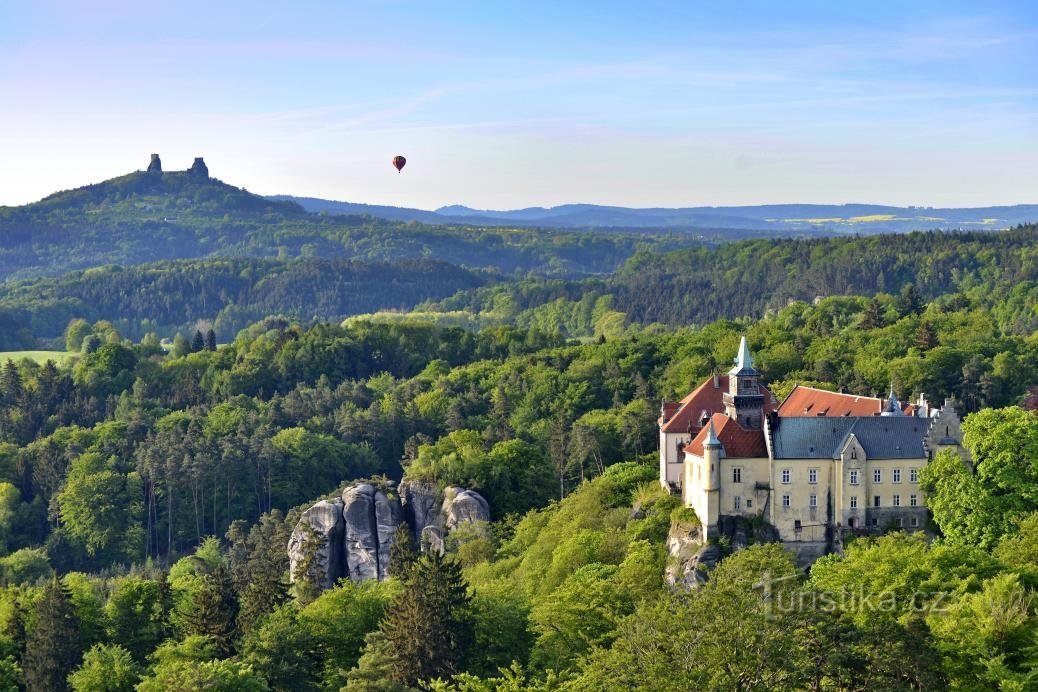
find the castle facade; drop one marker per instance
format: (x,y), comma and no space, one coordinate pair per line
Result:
(817,466)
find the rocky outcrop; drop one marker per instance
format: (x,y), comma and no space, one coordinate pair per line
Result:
(356,531)
(692,560)
(462,506)
(371,519)
(198,169)
(155,166)
(422,511)
(322,523)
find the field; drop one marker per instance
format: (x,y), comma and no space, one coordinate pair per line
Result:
(41,357)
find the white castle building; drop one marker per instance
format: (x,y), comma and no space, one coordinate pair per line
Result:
(816,466)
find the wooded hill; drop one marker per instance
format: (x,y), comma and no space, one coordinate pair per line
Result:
(147,217)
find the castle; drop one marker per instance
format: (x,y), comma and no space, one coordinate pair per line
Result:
(816,467)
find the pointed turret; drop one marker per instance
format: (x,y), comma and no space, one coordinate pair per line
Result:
(892,407)
(711,436)
(743,402)
(743,361)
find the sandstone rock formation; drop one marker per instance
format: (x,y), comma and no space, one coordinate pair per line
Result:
(155,166)
(692,560)
(463,506)
(322,522)
(356,531)
(370,518)
(198,169)
(422,512)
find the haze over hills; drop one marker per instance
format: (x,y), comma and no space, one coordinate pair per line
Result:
(780,218)
(155,215)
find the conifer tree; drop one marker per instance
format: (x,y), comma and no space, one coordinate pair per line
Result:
(12,383)
(403,553)
(52,648)
(428,627)
(872,318)
(925,336)
(210,340)
(214,611)
(198,343)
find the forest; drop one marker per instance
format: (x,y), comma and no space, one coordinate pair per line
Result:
(232,360)
(146,498)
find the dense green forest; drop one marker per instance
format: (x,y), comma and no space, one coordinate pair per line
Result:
(752,278)
(146,499)
(692,286)
(230,294)
(147,494)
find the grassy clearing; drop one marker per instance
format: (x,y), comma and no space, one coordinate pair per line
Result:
(40,357)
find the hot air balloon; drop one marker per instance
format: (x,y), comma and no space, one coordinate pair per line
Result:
(399,162)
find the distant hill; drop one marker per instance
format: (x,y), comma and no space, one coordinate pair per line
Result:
(788,218)
(150,216)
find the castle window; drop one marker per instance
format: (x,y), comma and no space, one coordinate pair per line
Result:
(897,500)
(877,475)
(737,502)
(896,475)
(812,501)
(749,503)
(854,452)
(785,500)
(913,475)
(736,475)
(875,500)
(913,500)
(875,521)
(812,475)
(915,521)
(787,476)
(854,502)
(901,522)
(854,477)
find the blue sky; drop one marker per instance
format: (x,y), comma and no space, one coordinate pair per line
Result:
(504,105)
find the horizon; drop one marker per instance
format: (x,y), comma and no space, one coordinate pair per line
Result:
(516,106)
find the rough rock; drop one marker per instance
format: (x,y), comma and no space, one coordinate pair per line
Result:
(198,168)
(422,511)
(387,518)
(370,520)
(325,519)
(691,561)
(462,506)
(155,166)
(359,528)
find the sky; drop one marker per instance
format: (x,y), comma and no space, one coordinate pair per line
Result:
(501,105)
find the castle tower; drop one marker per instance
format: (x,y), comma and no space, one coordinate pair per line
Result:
(712,458)
(743,402)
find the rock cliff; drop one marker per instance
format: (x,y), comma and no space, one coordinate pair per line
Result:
(355,532)
(692,560)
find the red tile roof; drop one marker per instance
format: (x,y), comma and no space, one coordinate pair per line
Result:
(738,442)
(704,398)
(808,401)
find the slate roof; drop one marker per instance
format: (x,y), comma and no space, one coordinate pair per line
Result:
(705,398)
(737,441)
(814,437)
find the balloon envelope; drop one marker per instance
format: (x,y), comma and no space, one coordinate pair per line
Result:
(399,162)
